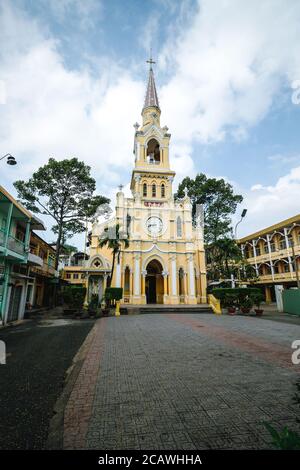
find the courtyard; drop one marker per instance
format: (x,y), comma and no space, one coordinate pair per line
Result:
(182,381)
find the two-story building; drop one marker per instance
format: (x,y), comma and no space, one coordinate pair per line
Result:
(24,265)
(42,274)
(74,271)
(274,254)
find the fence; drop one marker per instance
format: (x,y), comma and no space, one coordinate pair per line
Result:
(291,301)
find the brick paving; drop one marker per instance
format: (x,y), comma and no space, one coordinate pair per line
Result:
(183,382)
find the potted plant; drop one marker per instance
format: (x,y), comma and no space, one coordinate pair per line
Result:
(230,303)
(257,300)
(246,304)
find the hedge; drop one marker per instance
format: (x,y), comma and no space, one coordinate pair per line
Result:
(74,296)
(240,293)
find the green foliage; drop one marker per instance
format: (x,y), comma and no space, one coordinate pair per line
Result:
(114,238)
(223,256)
(258,298)
(246,302)
(243,295)
(74,296)
(64,191)
(113,293)
(218,200)
(230,300)
(94,302)
(285,439)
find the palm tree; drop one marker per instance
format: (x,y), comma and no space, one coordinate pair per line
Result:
(114,238)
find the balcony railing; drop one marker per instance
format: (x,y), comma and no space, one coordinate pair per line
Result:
(16,245)
(2,237)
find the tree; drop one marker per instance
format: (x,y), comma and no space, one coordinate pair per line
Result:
(64,191)
(226,255)
(218,201)
(114,239)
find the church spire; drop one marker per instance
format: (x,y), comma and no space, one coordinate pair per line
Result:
(151,98)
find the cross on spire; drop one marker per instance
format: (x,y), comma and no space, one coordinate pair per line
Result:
(150,61)
(151,98)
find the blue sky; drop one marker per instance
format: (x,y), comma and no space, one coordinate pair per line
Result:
(73,75)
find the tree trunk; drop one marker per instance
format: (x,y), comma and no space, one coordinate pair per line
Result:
(57,253)
(112,269)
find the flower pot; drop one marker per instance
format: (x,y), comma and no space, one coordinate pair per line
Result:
(258,312)
(231,310)
(105,312)
(245,310)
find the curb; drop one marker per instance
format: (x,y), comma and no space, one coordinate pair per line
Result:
(56,425)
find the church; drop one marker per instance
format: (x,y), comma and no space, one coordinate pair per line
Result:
(164,262)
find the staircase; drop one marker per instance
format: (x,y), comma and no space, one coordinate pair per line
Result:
(164,309)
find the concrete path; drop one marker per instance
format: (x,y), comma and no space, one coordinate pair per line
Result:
(191,381)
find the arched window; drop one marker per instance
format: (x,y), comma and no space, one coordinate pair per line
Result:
(179,227)
(153,190)
(153,152)
(163,190)
(145,189)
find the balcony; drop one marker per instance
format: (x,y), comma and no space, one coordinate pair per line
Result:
(2,238)
(16,245)
(34,259)
(278,277)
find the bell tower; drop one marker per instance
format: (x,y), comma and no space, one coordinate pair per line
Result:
(151,177)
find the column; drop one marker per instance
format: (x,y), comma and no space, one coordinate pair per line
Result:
(165,277)
(137,279)
(86,299)
(173,291)
(185,286)
(174,283)
(268,294)
(254,252)
(130,284)
(143,296)
(288,251)
(270,255)
(191,276)
(118,275)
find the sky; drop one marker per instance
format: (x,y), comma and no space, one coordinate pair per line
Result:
(73,77)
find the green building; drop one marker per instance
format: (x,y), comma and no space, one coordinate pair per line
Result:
(16,224)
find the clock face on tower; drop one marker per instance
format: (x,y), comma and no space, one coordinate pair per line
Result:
(154,225)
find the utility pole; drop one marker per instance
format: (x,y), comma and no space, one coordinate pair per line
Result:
(295,264)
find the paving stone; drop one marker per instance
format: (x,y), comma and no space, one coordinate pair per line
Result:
(191,381)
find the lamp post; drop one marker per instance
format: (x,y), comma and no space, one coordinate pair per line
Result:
(10,160)
(242,216)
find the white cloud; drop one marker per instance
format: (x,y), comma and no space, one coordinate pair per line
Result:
(229,64)
(270,204)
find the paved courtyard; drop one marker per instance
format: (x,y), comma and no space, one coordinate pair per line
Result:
(183,381)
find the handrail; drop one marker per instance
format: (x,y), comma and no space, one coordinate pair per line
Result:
(215,304)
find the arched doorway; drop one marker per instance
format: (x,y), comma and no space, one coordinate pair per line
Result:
(154,283)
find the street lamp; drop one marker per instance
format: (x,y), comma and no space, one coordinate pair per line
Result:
(10,160)
(242,216)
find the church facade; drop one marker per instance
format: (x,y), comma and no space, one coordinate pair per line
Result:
(164,262)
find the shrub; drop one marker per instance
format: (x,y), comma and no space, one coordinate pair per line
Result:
(257,298)
(239,293)
(113,293)
(74,296)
